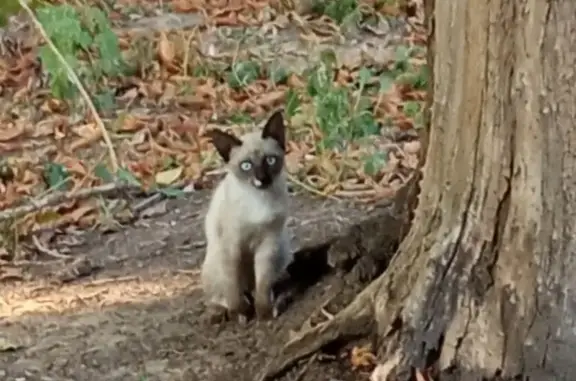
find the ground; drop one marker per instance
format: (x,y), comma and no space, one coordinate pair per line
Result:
(136,313)
(98,270)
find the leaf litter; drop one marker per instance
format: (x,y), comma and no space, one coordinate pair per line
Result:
(243,61)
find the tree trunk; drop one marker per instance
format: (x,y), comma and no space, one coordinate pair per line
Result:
(484,282)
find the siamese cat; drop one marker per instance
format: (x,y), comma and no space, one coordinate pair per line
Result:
(247,245)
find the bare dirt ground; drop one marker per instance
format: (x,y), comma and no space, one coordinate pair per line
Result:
(127,306)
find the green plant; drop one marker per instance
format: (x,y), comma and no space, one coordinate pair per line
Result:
(85,39)
(243,73)
(56,176)
(12,7)
(341,116)
(374,162)
(338,10)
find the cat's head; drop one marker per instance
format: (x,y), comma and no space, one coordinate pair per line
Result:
(257,158)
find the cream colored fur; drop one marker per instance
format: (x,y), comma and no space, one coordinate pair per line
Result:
(247,242)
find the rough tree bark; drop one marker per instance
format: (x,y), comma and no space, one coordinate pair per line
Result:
(483,285)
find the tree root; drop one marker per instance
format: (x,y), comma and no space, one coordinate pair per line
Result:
(356,320)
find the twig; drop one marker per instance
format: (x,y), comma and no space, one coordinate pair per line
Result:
(72,75)
(310,189)
(43,249)
(56,198)
(100,282)
(306,367)
(60,197)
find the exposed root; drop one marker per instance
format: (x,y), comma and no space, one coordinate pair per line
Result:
(356,320)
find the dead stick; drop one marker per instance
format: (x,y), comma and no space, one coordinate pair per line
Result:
(60,197)
(72,75)
(56,198)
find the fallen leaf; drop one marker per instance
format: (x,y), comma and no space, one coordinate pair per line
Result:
(8,132)
(168,177)
(7,345)
(87,130)
(11,274)
(362,357)
(293,162)
(78,213)
(188,5)
(271,98)
(166,50)
(412,147)
(130,123)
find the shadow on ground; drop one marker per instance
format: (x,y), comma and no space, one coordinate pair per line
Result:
(139,316)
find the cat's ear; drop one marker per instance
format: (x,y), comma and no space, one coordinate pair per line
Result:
(223,142)
(275,129)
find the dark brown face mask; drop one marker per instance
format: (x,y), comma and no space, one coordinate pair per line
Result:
(261,169)
(257,159)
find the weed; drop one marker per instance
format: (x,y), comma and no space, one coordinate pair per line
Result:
(342,117)
(338,10)
(241,118)
(243,73)
(85,38)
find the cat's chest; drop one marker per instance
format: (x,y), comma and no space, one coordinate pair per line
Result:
(258,211)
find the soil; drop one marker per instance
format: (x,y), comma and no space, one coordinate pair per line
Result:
(128,306)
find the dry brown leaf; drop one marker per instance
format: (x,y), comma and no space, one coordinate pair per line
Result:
(10,131)
(168,177)
(78,213)
(8,345)
(362,357)
(271,98)
(86,130)
(29,178)
(129,96)
(293,162)
(193,101)
(130,124)
(188,5)
(166,50)
(412,147)
(295,81)
(10,274)
(228,20)
(193,166)
(73,165)
(404,123)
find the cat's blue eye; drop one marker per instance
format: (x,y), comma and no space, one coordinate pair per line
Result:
(245,166)
(270,160)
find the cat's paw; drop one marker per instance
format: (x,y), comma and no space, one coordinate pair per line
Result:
(264,311)
(238,317)
(282,302)
(215,315)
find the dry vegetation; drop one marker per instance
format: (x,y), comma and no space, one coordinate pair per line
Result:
(352,86)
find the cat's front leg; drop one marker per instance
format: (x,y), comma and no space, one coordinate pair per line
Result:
(269,262)
(239,307)
(223,282)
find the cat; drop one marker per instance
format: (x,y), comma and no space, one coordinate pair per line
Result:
(247,248)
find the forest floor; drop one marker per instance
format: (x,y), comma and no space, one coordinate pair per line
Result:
(99,268)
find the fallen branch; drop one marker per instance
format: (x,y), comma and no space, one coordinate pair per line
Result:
(56,198)
(356,320)
(72,75)
(61,197)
